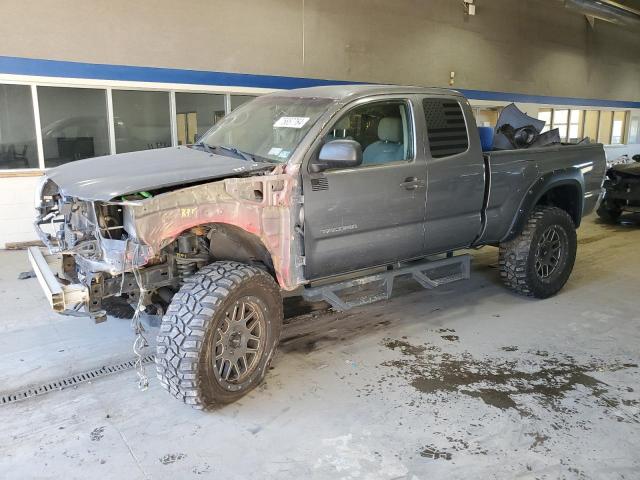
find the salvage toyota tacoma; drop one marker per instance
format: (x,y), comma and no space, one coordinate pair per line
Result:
(316,192)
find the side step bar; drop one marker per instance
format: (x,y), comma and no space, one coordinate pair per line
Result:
(425,273)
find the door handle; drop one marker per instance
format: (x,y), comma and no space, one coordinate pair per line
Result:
(411,183)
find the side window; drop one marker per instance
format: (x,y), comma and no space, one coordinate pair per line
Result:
(383,129)
(446,127)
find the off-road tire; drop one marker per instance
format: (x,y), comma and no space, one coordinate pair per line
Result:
(518,255)
(185,352)
(609,212)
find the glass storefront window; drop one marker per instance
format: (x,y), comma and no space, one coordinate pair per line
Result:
(196,113)
(17,128)
(237,100)
(141,120)
(74,124)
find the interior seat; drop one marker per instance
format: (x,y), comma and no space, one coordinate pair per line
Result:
(389,147)
(340,130)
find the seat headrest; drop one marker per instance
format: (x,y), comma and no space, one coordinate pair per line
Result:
(343,124)
(390,129)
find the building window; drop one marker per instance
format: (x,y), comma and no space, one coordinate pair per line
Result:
(486,117)
(604,127)
(617,129)
(575,126)
(600,126)
(237,100)
(17,128)
(544,114)
(591,121)
(196,113)
(141,120)
(560,120)
(634,130)
(74,124)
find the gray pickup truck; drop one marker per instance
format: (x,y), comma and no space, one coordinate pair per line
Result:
(317,192)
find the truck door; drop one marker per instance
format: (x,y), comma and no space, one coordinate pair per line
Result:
(372,214)
(455,172)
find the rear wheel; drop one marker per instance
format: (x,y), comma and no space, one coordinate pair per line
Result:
(219,334)
(540,259)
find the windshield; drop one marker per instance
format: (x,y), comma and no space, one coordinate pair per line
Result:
(268,127)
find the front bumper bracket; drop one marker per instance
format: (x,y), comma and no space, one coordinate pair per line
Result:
(61,297)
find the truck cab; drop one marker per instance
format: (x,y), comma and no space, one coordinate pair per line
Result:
(381,204)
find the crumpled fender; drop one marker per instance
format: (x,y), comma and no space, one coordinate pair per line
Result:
(264,206)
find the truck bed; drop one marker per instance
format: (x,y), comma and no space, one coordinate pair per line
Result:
(515,175)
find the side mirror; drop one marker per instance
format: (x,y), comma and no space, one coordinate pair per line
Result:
(338,154)
(636,158)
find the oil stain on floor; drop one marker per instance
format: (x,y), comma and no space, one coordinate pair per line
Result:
(498,382)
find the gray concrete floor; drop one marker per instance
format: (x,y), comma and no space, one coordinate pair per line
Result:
(465,382)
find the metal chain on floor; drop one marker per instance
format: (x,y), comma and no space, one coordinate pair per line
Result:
(140,342)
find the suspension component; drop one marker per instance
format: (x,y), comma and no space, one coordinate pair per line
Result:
(191,254)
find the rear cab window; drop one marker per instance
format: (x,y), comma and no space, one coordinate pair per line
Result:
(446,127)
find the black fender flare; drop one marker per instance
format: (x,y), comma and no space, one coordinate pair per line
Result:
(550,180)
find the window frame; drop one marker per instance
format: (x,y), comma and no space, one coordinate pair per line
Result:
(340,114)
(102,90)
(109,86)
(28,171)
(583,121)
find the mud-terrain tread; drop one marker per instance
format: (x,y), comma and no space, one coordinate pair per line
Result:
(184,325)
(514,254)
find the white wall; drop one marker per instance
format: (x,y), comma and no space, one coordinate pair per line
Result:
(17,210)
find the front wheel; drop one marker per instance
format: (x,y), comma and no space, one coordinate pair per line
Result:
(219,334)
(539,260)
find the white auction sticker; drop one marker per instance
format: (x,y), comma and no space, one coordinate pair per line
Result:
(274,151)
(291,122)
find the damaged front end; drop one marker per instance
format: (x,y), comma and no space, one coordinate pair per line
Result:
(92,253)
(143,246)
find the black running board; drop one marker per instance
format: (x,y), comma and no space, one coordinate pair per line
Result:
(425,273)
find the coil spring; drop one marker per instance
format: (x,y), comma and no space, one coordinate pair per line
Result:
(185,266)
(188,265)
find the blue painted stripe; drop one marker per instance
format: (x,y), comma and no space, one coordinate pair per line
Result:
(97,71)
